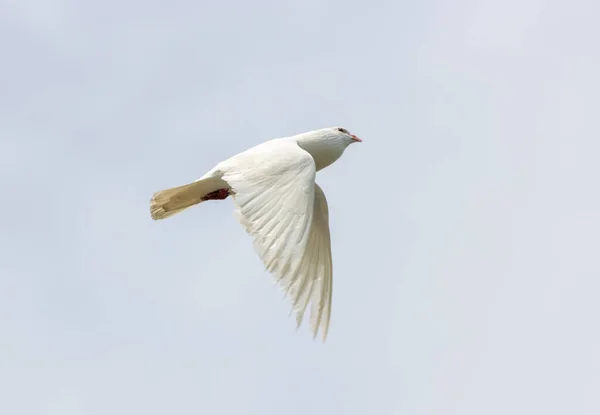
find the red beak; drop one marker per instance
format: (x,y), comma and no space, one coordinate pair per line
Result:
(355,138)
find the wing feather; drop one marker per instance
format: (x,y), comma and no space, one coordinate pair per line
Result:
(285,211)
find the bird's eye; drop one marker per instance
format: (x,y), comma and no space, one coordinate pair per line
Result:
(342,130)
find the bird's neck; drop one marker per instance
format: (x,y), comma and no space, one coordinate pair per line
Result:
(323,151)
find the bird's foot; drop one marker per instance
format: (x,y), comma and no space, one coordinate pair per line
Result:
(220,194)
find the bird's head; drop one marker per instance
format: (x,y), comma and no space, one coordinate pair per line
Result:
(327,144)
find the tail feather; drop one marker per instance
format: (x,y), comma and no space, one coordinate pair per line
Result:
(171,201)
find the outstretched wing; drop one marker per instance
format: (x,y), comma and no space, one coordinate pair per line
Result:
(285,212)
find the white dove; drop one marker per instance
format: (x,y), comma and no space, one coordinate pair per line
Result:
(283,209)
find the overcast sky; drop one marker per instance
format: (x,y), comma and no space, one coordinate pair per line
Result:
(465,227)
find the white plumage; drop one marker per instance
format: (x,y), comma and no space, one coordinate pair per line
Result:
(282,208)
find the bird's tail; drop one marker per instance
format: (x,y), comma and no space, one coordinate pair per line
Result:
(168,202)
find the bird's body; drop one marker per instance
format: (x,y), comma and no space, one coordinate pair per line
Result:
(281,207)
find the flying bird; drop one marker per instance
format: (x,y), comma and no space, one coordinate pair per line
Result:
(282,208)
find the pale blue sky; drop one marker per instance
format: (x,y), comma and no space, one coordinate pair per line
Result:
(465,227)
